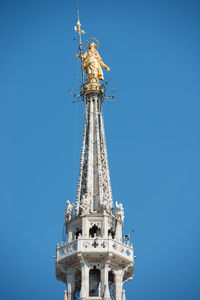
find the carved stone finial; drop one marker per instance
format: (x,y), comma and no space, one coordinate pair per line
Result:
(65,295)
(123,295)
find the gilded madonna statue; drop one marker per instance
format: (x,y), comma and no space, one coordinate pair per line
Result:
(92,63)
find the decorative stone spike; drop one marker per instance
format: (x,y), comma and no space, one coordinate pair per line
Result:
(65,295)
(123,295)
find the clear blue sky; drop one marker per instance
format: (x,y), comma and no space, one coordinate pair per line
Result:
(152,129)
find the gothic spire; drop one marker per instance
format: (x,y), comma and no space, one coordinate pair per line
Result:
(94,187)
(94,261)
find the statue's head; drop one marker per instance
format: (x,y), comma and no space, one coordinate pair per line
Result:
(67,202)
(92,45)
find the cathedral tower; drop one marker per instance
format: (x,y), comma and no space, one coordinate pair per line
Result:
(95,261)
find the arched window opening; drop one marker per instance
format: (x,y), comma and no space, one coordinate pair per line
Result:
(78,232)
(94,231)
(94,285)
(111,284)
(111,232)
(77,285)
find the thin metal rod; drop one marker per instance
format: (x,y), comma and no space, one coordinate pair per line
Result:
(80,48)
(77,9)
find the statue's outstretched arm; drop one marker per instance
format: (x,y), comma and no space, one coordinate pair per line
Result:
(104,66)
(102,63)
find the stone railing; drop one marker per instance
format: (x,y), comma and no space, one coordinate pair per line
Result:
(66,249)
(94,245)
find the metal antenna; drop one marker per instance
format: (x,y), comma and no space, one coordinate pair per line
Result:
(80,48)
(77,8)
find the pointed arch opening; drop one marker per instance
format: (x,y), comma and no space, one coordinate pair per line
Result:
(77,277)
(78,233)
(111,284)
(94,282)
(111,233)
(94,231)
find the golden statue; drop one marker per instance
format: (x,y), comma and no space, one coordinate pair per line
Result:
(92,63)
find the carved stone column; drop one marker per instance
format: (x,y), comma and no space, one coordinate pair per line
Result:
(118,284)
(84,280)
(70,235)
(70,284)
(105,227)
(105,280)
(85,229)
(118,233)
